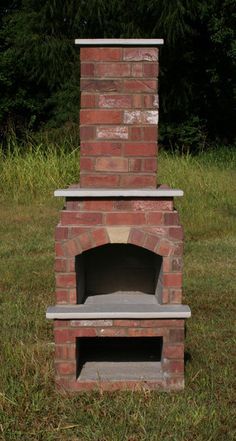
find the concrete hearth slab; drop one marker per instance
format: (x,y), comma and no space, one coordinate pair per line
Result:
(119,41)
(120,370)
(120,192)
(121,298)
(117,311)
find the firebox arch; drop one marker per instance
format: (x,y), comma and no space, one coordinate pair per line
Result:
(134,236)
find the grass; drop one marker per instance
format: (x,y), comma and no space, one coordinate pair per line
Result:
(30,408)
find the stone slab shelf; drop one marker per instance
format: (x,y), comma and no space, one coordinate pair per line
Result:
(118,311)
(119,42)
(121,192)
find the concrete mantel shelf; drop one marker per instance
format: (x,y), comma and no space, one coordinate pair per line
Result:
(119,42)
(127,193)
(112,311)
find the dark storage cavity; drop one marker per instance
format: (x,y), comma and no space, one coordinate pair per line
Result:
(115,358)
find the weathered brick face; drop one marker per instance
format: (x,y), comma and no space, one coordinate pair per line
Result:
(119,117)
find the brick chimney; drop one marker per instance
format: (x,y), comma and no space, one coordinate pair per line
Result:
(119,114)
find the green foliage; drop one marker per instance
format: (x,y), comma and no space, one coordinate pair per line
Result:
(39,64)
(185,137)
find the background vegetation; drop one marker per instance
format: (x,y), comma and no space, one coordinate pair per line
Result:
(39,63)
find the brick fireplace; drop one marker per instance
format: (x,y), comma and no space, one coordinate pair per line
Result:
(119,319)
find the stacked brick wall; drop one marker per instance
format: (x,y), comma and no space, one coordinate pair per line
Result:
(118,117)
(151,224)
(172,361)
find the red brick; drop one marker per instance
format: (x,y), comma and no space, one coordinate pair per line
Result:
(63,336)
(150,70)
(87,100)
(155,218)
(161,323)
(135,164)
(94,323)
(151,242)
(59,251)
(173,279)
(173,351)
(100,236)
(178,249)
(174,384)
(112,332)
(114,101)
(100,181)
(99,116)
(60,265)
(137,70)
(165,248)
(135,133)
(75,231)
(85,241)
(111,164)
(165,296)
(175,366)
(65,280)
(61,323)
(125,218)
(149,164)
(62,296)
(72,296)
(176,264)
(86,332)
(87,69)
(98,205)
(73,217)
(176,233)
(116,70)
(138,101)
(146,332)
(86,164)
(176,336)
(64,368)
(140,86)
(90,85)
(71,265)
(118,132)
(127,323)
(100,54)
(61,233)
(136,237)
(166,265)
(87,132)
(141,117)
(150,133)
(150,101)
(74,204)
(171,218)
(140,54)
(140,149)
(72,247)
(139,181)
(122,204)
(101,148)
(176,296)
(148,205)
(65,352)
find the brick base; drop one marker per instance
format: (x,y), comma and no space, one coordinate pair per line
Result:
(172,357)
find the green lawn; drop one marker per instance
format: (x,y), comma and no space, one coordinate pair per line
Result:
(30,407)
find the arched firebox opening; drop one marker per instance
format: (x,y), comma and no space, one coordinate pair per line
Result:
(118,273)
